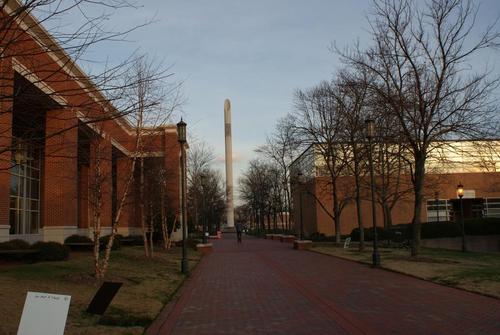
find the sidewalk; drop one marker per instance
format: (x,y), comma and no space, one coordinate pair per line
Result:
(266,287)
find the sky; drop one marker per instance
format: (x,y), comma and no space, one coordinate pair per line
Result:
(254,52)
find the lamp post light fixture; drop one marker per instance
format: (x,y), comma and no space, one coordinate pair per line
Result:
(203,179)
(460,194)
(181,138)
(300,183)
(370,134)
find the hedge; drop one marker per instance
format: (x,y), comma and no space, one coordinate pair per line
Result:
(51,251)
(476,226)
(116,242)
(78,239)
(14,245)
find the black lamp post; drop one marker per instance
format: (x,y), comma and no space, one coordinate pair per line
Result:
(203,179)
(181,138)
(460,193)
(300,183)
(370,134)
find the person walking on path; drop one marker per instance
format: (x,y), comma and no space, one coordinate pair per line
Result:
(239,229)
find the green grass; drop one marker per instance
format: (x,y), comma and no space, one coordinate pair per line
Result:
(477,272)
(147,286)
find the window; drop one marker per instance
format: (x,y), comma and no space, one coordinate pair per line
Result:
(24,208)
(438,210)
(492,207)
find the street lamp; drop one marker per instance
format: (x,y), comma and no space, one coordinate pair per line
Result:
(460,194)
(181,138)
(203,179)
(370,134)
(300,182)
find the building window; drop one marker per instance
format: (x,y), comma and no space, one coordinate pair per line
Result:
(438,210)
(492,207)
(24,209)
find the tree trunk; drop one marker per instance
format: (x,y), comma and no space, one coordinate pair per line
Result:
(151,230)
(336,213)
(387,215)
(141,210)
(418,183)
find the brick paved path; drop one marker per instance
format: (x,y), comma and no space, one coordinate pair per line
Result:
(266,287)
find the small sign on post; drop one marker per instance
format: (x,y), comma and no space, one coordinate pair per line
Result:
(44,313)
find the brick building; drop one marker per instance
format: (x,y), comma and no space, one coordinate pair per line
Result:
(474,164)
(53,119)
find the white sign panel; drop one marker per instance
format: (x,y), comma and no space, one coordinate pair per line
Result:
(44,313)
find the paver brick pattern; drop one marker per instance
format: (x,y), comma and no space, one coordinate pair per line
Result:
(266,287)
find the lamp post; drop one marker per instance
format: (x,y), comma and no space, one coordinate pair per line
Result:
(460,193)
(436,196)
(300,182)
(370,134)
(203,179)
(181,138)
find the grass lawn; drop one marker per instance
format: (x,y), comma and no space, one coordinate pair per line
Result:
(477,272)
(147,286)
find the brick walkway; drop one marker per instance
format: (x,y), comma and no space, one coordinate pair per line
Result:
(266,287)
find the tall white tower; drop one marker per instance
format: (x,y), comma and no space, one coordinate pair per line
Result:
(229,164)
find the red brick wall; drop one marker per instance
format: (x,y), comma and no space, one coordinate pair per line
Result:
(60,169)
(6,89)
(484,184)
(60,185)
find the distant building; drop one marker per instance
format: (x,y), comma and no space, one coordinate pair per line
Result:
(475,164)
(49,129)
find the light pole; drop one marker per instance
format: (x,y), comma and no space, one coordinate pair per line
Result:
(460,193)
(181,138)
(370,134)
(300,182)
(203,179)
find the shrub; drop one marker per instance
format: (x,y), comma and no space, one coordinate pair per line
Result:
(483,226)
(77,239)
(381,234)
(320,237)
(132,240)
(51,251)
(17,245)
(116,242)
(14,245)
(476,226)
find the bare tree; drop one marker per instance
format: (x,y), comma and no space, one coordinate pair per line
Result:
(421,62)
(318,123)
(352,104)
(255,189)
(282,147)
(152,100)
(200,159)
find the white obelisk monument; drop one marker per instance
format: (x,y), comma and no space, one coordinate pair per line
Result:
(229,164)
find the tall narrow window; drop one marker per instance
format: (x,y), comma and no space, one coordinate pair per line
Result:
(24,211)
